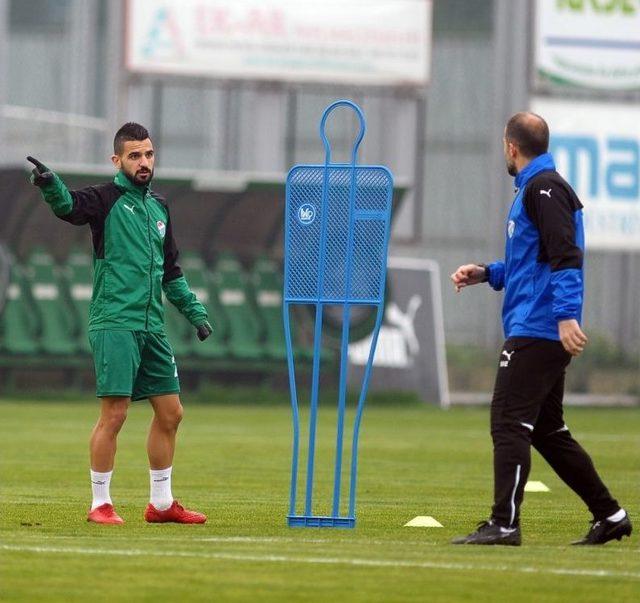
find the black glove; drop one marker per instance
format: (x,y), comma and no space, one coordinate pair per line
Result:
(204,330)
(41,175)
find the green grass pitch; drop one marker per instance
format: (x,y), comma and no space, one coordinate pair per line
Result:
(233,463)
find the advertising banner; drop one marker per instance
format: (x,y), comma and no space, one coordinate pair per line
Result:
(597,149)
(588,43)
(410,355)
(366,42)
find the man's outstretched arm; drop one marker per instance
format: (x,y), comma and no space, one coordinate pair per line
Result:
(473,274)
(77,207)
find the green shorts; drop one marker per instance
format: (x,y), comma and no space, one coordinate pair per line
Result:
(136,364)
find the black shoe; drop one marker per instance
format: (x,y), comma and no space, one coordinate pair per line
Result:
(491,533)
(604,530)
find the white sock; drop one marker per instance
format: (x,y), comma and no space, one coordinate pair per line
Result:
(161,497)
(100,488)
(618,516)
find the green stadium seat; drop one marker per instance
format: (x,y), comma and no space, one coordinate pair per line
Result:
(58,322)
(235,298)
(79,273)
(266,279)
(18,322)
(200,282)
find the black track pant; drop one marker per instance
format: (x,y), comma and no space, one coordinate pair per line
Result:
(527,409)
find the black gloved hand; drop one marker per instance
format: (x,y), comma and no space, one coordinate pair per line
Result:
(204,330)
(41,175)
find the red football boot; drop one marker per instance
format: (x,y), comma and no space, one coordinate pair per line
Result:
(176,513)
(105,514)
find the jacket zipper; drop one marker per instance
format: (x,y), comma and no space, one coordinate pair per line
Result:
(146,208)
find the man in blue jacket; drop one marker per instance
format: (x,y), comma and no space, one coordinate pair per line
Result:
(542,278)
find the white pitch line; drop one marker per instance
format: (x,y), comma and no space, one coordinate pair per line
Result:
(288,540)
(322,561)
(221,539)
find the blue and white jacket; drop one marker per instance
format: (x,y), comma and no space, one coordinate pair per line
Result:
(542,272)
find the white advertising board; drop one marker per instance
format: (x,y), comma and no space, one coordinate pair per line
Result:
(588,43)
(596,147)
(411,352)
(366,42)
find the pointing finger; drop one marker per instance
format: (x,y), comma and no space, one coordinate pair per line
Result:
(39,165)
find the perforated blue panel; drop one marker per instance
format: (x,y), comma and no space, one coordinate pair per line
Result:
(337,225)
(317,233)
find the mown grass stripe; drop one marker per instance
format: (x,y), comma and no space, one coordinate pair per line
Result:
(395,563)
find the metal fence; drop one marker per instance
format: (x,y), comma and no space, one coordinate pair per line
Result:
(63,105)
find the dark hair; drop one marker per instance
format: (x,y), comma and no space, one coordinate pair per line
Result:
(130,131)
(529,132)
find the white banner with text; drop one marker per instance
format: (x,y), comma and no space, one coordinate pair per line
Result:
(597,150)
(588,43)
(365,42)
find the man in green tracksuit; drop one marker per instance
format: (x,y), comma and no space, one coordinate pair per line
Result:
(135,260)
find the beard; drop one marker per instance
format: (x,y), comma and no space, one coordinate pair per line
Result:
(512,170)
(141,177)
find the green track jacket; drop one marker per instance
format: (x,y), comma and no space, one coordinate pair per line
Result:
(135,254)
